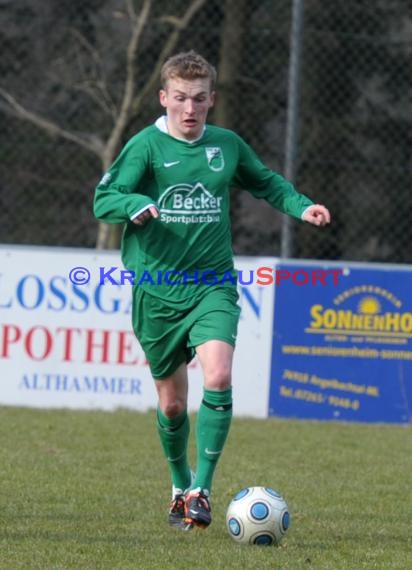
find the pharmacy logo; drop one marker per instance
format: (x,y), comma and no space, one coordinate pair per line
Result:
(187,203)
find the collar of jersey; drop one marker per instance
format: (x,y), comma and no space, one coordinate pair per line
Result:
(161,124)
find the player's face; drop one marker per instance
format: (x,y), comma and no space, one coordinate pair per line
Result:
(187,104)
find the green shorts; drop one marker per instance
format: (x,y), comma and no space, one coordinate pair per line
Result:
(169,335)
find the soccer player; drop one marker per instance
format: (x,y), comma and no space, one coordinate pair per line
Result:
(170,186)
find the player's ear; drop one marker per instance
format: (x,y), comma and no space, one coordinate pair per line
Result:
(163,98)
(212,98)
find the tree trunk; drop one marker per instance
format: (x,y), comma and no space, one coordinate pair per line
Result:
(234,37)
(230,72)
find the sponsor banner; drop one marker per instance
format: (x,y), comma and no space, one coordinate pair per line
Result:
(66,338)
(342,349)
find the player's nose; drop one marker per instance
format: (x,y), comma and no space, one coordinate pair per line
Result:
(189,105)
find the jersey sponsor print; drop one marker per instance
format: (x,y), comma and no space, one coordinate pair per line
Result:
(187,203)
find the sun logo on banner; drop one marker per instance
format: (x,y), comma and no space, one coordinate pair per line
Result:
(369,306)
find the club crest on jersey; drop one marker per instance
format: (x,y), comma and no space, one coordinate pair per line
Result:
(215,158)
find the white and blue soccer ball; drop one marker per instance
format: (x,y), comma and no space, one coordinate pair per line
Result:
(258,515)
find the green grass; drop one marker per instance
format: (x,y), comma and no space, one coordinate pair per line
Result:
(89,490)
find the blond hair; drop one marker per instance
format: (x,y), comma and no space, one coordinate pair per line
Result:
(187,65)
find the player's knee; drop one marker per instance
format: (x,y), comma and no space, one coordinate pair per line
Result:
(173,409)
(218,379)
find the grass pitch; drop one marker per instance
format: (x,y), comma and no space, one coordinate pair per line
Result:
(90,490)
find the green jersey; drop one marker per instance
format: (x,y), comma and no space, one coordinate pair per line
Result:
(189,246)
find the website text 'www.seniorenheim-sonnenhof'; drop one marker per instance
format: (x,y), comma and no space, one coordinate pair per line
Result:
(261,276)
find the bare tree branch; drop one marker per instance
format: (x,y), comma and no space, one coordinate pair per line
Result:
(50,127)
(180,25)
(130,9)
(93,83)
(108,235)
(95,86)
(97,94)
(129,87)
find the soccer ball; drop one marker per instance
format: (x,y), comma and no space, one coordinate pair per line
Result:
(257,515)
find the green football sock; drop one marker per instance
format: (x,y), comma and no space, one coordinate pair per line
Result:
(212,428)
(174,435)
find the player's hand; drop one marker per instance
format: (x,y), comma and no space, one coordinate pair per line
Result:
(145,216)
(317,215)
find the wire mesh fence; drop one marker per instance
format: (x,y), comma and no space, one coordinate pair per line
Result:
(66,66)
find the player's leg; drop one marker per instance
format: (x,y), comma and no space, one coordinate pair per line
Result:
(173,425)
(164,344)
(213,334)
(212,427)
(215,411)
(173,428)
